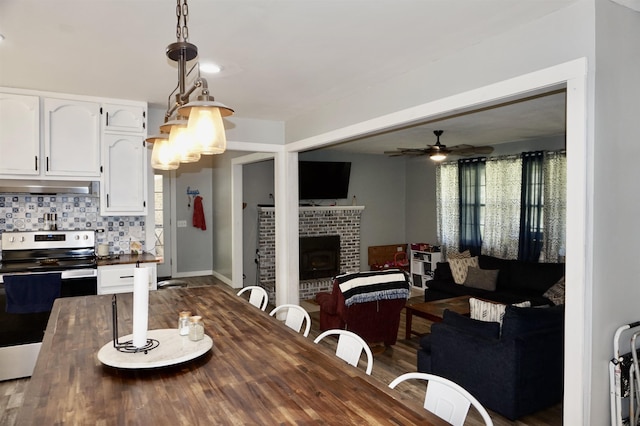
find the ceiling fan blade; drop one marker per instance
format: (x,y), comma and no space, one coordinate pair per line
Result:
(467,150)
(407,151)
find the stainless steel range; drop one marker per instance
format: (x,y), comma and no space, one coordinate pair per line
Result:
(72,253)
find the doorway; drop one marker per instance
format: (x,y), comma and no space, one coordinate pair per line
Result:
(162,230)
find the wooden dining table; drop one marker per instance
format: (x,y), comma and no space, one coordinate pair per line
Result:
(257,372)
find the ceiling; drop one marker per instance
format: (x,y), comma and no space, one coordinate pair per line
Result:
(280,58)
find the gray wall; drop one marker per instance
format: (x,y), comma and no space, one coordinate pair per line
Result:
(193,244)
(379,185)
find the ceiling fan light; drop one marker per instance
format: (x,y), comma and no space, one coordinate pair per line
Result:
(438,156)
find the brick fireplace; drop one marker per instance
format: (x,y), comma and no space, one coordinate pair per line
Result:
(343,221)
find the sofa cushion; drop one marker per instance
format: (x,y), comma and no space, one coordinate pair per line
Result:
(556,292)
(534,276)
(483,310)
(459,268)
(521,320)
(443,272)
(489,330)
(484,279)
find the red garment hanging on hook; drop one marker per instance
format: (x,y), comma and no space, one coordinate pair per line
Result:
(198,214)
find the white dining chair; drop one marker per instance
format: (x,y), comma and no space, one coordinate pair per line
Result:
(446,399)
(258,296)
(296,316)
(350,347)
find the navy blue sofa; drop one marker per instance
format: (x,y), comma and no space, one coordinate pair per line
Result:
(517,281)
(515,372)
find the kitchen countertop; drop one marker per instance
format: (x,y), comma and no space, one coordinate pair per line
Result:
(125,259)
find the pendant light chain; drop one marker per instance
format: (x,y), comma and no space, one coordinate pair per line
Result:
(182,13)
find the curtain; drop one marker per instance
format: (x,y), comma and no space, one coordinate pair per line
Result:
(471,174)
(531,236)
(502,210)
(447,206)
(555,204)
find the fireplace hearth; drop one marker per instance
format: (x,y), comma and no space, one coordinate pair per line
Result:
(319,257)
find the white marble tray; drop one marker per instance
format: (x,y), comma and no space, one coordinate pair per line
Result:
(173,349)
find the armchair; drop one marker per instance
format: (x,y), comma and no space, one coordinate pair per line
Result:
(514,372)
(368,304)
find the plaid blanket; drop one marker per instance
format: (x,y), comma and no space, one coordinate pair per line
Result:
(360,287)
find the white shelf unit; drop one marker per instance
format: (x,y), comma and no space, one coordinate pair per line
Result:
(423,264)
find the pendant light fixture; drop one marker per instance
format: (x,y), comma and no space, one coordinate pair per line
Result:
(203,133)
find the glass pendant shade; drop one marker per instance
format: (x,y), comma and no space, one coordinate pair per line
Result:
(207,128)
(438,157)
(163,156)
(186,146)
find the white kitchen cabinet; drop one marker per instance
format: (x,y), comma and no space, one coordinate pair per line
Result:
(71,138)
(119,278)
(423,264)
(19,135)
(124,118)
(124,181)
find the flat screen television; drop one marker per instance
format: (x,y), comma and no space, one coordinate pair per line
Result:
(323,180)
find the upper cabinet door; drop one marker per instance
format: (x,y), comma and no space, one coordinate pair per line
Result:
(124,118)
(72,138)
(19,134)
(124,184)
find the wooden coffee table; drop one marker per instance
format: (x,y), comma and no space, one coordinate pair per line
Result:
(433,311)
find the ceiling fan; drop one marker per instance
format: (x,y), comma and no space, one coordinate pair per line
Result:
(439,152)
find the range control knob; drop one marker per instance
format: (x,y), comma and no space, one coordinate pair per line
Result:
(77,237)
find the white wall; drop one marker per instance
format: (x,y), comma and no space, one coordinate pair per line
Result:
(616,292)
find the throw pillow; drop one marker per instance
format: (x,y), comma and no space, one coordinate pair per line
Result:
(462,255)
(484,279)
(459,268)
(518,321)
(489,330)
(488,311)
(556,292)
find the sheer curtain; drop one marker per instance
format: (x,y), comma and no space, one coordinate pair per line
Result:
(447,201)
(502,211)
(555,206)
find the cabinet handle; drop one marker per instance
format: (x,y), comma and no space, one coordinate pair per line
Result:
(36,157)
(107,200)
(47,163)
(126,276)
(107,118)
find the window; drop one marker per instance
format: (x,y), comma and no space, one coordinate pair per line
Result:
(159,216)
(472,186)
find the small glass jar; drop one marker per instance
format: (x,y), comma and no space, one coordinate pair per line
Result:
(183,323)
(196,328)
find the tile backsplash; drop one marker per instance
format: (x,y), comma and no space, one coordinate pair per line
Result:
(25,212)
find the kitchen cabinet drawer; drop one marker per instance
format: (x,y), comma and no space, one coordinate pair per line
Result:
(119,278)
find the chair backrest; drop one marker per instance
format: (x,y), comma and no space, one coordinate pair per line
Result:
(350,347)
(446,399)
(258,296)
(295,317)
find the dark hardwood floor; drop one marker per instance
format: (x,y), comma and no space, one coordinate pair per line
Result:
(388,364)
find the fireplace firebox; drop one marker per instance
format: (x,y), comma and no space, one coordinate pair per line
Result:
(319,256)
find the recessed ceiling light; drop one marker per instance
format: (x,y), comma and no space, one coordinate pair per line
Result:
(210,68)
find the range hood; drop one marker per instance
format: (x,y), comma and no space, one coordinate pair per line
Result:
(48,187)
